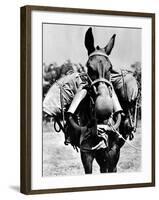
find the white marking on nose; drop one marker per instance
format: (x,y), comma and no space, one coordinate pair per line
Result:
(103,89)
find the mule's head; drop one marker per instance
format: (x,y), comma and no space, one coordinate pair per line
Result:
(98,64)
(99,70)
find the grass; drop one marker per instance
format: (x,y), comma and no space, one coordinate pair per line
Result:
(59,160)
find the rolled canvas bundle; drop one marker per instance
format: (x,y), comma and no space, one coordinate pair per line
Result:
(125,85)
(62,92)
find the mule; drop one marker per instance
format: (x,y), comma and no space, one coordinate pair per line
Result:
(95,105)
(94,117)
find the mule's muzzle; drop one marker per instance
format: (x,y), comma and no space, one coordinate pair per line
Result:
(104,102)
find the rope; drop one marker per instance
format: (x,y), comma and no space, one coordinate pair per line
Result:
(120,136)
(55,127)
(62,102)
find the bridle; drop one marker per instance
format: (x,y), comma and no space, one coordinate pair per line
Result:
(91,85)
(102,79)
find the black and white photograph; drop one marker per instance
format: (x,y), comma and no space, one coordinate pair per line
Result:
(92,99)
(87,100)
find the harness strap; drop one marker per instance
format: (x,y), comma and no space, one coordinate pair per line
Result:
(124,86)
(98,53)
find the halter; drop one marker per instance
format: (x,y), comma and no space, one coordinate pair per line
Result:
(102,80)
(98,53)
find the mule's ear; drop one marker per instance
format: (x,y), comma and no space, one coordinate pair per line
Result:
(110,45)
(89,41)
